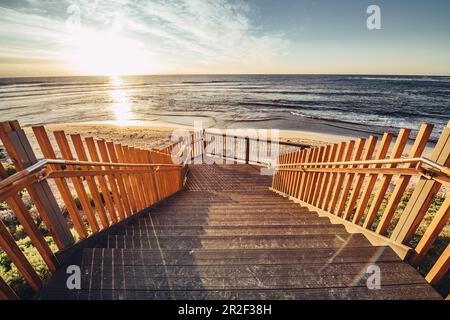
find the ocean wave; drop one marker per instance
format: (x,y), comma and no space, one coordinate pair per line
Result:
(427,79)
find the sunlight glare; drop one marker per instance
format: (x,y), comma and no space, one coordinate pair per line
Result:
(100,53)
(121,105)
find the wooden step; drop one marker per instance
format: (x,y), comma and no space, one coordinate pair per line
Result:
(207,257)
(233,242)
(139,230)
(391,292)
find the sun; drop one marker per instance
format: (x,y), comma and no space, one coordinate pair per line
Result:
(106,53)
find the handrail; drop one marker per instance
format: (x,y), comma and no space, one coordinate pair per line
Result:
(424,160)
(270,141)
(45,162)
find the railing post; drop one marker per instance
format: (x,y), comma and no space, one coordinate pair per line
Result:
(19,149)
(423,193)
(6,293)
(247,150)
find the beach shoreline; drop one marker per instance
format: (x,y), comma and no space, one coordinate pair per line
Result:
(157,134)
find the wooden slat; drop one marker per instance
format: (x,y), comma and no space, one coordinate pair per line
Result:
(326,176)
(349,177)
(280,173)
(81,154)
(93,153)
(147,177)
(437,224)
(423,193)
(8,244)
(333,176)
(156,196)
(416,151)
(285,174)
(299,174)
(125,202)
(63,188)
(25,219)
(309,184)
(145,196)
(287,182)
(440,268)
(372,142)
(123,154)
(157,177)
(372,179)
(291,185)
(6,293)
(341,176)
(397,152)
(112,149)
(320,176)
(315,176)
(305,179)
(279,180)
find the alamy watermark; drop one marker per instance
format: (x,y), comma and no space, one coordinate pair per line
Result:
(374,20)
(227,147)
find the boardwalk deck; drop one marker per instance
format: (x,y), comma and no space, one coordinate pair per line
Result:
(228,237)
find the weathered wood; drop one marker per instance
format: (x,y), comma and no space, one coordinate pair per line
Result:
(372,179)
(19,150)
(397,151)
(416,151)
(423,193)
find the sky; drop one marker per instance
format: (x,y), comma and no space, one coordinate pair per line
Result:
(118,37)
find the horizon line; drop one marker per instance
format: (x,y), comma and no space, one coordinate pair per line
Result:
(232,74)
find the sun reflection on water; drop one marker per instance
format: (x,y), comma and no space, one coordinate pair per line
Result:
(121,106)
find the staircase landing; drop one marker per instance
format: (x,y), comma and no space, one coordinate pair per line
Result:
(228,237)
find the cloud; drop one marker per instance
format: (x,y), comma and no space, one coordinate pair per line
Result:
(183,35)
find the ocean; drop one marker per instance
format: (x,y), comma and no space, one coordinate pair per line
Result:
(346,105)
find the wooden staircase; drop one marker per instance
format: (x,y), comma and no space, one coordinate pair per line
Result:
(228,237)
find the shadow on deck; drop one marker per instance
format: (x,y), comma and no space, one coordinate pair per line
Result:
(228,237)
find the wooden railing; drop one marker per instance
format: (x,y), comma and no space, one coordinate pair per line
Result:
(110,182)
(230,148)
(364,185)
